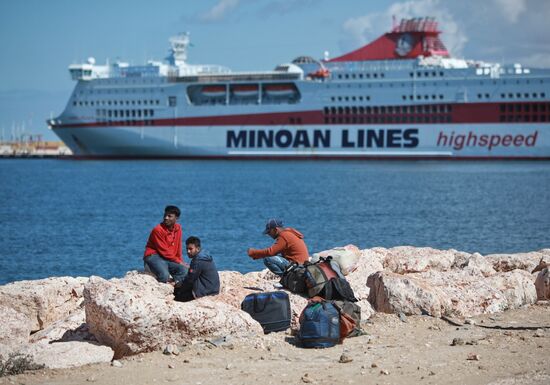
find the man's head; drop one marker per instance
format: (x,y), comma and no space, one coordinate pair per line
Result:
(171,215)
(193,245)
(272,227)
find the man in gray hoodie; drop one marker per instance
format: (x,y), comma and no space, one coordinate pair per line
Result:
(202,278)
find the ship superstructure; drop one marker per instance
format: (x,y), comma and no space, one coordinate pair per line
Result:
(401,96)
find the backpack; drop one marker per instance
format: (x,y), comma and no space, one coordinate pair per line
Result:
(319,325)
(319,273)
(323,278)
(270,309)
(350,318)
(294,279)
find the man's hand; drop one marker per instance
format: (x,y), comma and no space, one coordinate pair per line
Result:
(249,251)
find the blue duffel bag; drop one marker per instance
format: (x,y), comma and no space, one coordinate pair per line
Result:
(319,325)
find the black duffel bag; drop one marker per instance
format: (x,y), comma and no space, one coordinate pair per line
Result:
(270,309)
(293,279)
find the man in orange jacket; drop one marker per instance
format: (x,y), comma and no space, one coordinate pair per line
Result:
(289,243)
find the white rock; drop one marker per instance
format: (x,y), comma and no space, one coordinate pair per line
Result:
(43,301)
(69,354)
(522,261)
(137,314)
(15,329)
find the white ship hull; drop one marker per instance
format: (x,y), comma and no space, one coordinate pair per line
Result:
(349,141)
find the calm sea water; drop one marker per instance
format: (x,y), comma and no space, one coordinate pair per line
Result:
(80,218)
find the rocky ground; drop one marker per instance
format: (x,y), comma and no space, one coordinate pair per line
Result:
(430,316)
(506,348)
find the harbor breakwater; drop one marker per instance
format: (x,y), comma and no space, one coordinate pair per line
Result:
(66,322)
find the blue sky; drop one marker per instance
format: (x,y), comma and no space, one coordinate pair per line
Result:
(39,39)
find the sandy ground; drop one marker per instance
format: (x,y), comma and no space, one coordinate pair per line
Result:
(413,350)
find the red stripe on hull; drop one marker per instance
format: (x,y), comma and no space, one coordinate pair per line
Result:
(469,113)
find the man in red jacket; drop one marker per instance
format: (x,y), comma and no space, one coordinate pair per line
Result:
(289,243)
(163,249)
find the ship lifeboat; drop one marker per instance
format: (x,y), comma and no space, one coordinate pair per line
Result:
(245,90)
(321,73)
(213,91)
(280,89)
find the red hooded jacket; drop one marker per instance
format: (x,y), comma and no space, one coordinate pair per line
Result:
(289,242)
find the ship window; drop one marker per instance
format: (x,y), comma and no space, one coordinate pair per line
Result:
(434,97)
(535,107)
(347,110)
(360,98)
(543,107)
(151,113)
(479,96)
(382,110)
(487,96)
(346,98)
(145,113)
(535,94)
(382,75)
(368,97)
(419,74)
(158,102)
(360,76)
(518,107)
(502,107)
(502,118)
(353,76)
(535,118)
(543,118)
(74,103)
(332,98)
(361,110)
(404,97)
(339,98)
(440,96)
(411,97)
(426,97)
(339,76)
(375,75)
(518,95)
(369,110)
(333,110)
(368,76)
(326,109)
(346,76)
(340,110)
(172,101)
(510,118)
(526,118)
(426,74)
(354,110)
(418,97)
(503,96)
(542,95)
(527,108)
(353,98)
(411,74)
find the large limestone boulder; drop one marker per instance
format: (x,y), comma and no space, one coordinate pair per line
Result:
(137,314)
(71,328)
(522,261)
(408,259)
(15,329)
(396,293)
(70,354)
(43,301)
(542,284)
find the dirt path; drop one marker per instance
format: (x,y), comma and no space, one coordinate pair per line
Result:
(418,351)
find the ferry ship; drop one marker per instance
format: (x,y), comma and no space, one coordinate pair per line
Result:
(401,96)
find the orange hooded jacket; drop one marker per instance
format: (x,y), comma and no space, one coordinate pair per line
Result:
(289,242)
